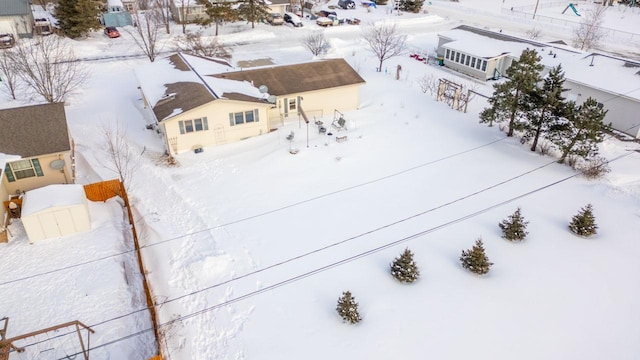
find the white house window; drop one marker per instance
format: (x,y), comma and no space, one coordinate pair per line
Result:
(484,65)
(457,57)
(462,59)
(189,126)
(23,169)
(244,117)
(292,104)
(447,54)
(478,64)
(473,62)
(466,62)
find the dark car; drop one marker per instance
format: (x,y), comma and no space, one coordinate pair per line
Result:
(6,41)
(346,4)
(326,13)
(292,19)
(111,32)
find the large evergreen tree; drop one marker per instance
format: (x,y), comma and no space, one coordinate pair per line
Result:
(414,6)
(511,99)
(77,17)
(347,308)
(581,131)
(404,269)
(475,259)
(550,106)
(584,223)
(515,227)
(253,11)
(218,13)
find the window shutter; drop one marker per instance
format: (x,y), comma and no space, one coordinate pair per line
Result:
(255,115)
(298,104)
(286,106)
(7,170)
(181,124)
(204,123)
(36,167)
(231,121)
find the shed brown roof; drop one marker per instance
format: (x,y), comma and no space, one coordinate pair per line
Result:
(34,130)
(292,79)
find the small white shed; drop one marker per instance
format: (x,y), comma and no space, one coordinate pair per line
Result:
(54,211)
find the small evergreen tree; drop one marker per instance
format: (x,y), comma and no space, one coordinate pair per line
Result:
(348,308)
(217,13)
(550,105)
(414,6)
(77,17)
(404,269)
(475,259)
(253,11)
(514,228)
(584,223)
(511,99)
(582,130)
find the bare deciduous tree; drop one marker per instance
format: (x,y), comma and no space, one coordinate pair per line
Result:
(428,84)
(533,33)
(49,67)
(8,72)
(316,43)
(162,8)
(197,44)
(384,41)
(120,156)
(146,32)
(589,32)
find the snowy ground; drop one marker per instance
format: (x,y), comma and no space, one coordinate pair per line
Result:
(248,247)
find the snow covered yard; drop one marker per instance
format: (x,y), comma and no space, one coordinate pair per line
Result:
(91,277)
(248,247)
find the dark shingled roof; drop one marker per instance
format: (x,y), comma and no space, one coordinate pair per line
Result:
(292,79)
(34,130)
(187,96)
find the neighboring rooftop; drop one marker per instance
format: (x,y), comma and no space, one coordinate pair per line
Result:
(14,7)
(34,130)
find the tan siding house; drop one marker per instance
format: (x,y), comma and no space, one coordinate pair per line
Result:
(39,136)
(200,102)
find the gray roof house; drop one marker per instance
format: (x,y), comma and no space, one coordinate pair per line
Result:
(39,145)
(16,18)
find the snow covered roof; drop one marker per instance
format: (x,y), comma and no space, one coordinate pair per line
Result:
(610,74)
(56,195)
(180,83)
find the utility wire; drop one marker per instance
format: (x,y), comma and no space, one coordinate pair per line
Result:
(344,261)
(252,216)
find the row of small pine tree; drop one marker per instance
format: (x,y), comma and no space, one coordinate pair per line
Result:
(514,228)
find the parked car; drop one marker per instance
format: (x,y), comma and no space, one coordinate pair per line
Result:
(326,13)
(7,41)
(111,32)
(346,4)
(293,19)
(324,21)
(275,19)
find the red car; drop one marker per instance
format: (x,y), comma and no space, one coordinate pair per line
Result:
(111,32)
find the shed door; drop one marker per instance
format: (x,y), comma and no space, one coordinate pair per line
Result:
(57,223)
(65,222)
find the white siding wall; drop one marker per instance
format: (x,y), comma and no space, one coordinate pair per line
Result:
(622,112)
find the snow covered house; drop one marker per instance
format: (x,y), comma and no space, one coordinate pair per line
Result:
(54,211)
(38,138)
(198,102)
(186,11)
(613,82)
(116,15)
(16,18)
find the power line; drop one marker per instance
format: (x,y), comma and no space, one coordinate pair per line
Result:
(253,216)
(346,260)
